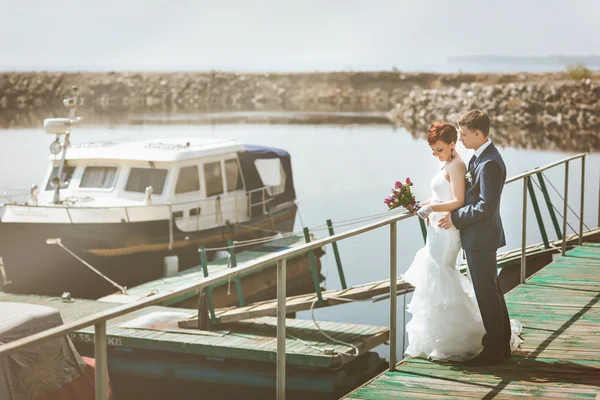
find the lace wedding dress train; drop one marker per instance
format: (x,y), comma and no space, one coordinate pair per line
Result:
(446,324)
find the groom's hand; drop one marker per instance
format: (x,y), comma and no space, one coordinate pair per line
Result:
(445,222)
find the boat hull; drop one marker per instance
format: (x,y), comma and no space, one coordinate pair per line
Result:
(128,253)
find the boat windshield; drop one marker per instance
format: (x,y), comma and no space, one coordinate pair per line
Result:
(65,179)
(140,178)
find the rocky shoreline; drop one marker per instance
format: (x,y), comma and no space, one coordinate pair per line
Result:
(571,105)
(180,92)
(567,113)
(551,102)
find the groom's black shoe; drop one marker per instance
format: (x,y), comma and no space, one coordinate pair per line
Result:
(484,359)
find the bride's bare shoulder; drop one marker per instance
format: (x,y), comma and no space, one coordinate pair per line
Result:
(456,166)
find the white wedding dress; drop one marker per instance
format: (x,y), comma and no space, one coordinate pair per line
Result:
(446,324)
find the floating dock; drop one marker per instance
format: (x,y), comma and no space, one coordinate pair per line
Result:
(149,343)
(559,307)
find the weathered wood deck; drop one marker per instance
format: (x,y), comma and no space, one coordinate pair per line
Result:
(155,328)
(301,302)
(172,283)
(559,307)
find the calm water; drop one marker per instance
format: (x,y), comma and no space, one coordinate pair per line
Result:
(340,173)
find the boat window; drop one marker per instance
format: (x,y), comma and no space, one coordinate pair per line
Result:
(98,177)
(67,174)
(141,178)
(272,175)
(214,178)
(233,176)
(188,180)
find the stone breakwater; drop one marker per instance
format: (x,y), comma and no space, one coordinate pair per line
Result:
(564,105)
(562,115)
(26,98)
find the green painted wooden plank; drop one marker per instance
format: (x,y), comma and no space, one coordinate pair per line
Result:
(560,309)
(471,381)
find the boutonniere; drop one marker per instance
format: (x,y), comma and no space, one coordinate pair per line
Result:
(469,178)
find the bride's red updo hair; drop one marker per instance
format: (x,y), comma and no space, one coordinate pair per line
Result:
(441,131)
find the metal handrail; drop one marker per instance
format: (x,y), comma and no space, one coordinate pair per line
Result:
(526,176)
(8,194)
(215,278)
(540,169)
(169,205)
(99,319)
(59,206)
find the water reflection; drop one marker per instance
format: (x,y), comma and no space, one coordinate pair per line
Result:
(535,137)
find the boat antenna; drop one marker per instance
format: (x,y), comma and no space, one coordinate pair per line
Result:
(60,127)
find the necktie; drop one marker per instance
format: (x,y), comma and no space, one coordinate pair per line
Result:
(471,162)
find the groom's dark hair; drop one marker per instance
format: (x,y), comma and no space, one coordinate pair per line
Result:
(475,119)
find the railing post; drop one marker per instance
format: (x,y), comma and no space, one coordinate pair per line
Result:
(231,251)
(524,232)
(203,261)
(404,322)
(393,294)
(235,204)
(565,205)
(313,268)
(549,205)
(170,228)
(237,280)
(538,214)
(101,364)
(582,202)
(336,253)
(281,314)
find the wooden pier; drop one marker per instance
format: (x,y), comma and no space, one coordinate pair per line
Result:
(256,285)
(148,343)
(559,308)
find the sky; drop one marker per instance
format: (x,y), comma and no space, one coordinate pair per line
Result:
(286,35)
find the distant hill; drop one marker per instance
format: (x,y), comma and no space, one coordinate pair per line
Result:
(592,60)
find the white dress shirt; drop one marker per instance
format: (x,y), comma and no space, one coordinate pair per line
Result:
(482,148)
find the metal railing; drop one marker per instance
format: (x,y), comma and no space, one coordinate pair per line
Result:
(98,320)
(11,194)
(207,203)
(526,177)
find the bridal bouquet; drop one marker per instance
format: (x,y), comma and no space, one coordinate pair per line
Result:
(401,195)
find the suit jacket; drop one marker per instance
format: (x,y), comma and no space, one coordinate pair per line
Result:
(479,219)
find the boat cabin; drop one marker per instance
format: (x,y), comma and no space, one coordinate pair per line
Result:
(200,180)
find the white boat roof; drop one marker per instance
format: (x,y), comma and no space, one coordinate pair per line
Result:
(159,150)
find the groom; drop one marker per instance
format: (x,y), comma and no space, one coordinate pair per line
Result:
(482,234)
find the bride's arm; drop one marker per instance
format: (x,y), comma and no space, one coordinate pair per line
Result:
(457,183)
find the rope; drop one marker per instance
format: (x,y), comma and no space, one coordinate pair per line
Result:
(280,235)
(258,229)
(559,195)
(312,313)
(556,209)
(299,214)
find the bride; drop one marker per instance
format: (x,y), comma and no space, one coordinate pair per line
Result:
(446,324)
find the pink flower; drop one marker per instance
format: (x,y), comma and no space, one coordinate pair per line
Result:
(408,181)
(398,185)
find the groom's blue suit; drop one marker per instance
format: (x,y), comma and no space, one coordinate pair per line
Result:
(482,234)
